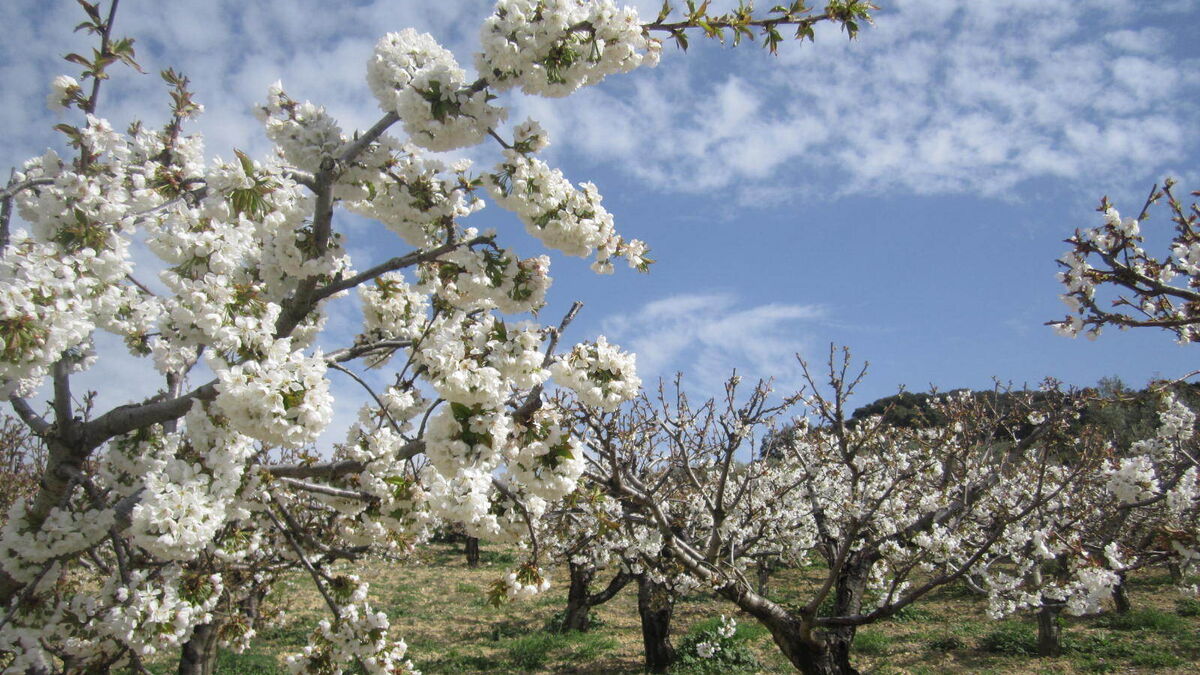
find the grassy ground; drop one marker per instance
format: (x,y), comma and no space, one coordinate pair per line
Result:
(437,604)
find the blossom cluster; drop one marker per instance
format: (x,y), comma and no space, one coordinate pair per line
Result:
(563,217)
(416,78)
(553,47)
(357,635)
(1145,290)
(600,374)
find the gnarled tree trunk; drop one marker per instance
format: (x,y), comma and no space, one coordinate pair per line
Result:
(1049,630)
(576,617)
(656,605)
(199,654)
(580,599)
(811,649)
(809,652)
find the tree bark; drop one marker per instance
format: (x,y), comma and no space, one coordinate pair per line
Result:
(849,588)
(810,655)
(578,605)
(1049,630)
(1176,571)
(764,576)
(812,650)
(1121,596)
(472,551)
(199,654)
(580,599)
(656,605)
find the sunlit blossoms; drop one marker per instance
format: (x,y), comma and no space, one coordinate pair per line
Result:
(553,48)
(600,374)
(282,399)
(1113,279)
(414,77)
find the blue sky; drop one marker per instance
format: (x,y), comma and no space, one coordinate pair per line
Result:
(905,194)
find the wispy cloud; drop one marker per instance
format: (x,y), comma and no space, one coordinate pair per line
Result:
(708,335)
(231,49)
(937,98)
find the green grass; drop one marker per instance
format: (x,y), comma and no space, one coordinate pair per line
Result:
(945,643)
(733,656)
(1156,658)
(1187,607)
(435,604)
(1010,638)
(1146,620)
(249,663)
(535,650)
(530,652)
(871,643)
(291,635)
(912,614)
(497,558)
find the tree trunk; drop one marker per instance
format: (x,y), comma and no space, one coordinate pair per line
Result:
(812,651)
(764,575)
(472,551)
(1120,596)
(849,588)
(199,654)
(809,656)
(1176,571)
(1049,630)
(578,605)
(656,604)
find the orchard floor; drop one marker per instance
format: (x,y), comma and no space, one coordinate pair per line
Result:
(438,605)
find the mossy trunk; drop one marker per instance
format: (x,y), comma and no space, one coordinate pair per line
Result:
(656,605)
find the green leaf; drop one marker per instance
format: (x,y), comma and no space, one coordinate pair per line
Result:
(662,13)
(93,10)
(680,38)
(247,163)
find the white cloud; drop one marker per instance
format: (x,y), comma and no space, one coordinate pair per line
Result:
(937,98)
(231,49)
(708,335)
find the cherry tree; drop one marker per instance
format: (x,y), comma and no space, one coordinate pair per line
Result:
(594,533)
(580,535)
(1152,498)
(892,512)
(125,549)
(1111,279)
